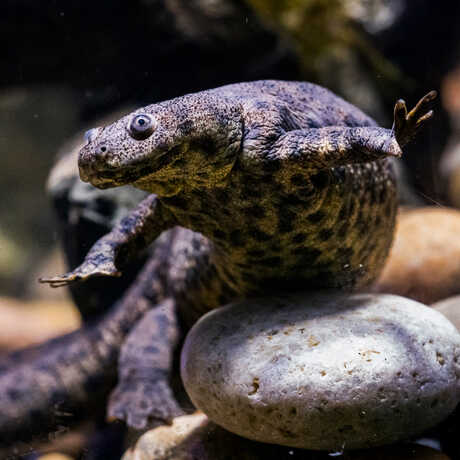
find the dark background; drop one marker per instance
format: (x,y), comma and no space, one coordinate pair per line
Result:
(66,63)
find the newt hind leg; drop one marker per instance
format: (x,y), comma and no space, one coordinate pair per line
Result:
(143,397)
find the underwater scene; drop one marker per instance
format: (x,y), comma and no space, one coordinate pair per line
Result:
(230,230)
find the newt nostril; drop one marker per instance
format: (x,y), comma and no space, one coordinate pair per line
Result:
(91,135)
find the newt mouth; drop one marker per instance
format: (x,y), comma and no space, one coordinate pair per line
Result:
(101,179)
(104,177)
(107,179)
(101,182)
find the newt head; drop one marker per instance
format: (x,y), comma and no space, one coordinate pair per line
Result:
(187,142)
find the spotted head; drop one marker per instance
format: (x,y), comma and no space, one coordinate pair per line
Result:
(191,141)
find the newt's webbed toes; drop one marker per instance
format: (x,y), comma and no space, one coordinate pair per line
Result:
(143,404)
(400,109)
(80,274)
(422,106)
(61,280)
(406,124)
(431,96)
(424,118)
(400,114)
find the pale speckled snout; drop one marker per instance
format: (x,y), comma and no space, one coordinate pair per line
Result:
(113,157)
(96,160)
(92,134)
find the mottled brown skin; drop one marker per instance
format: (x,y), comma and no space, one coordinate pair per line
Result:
(254,187)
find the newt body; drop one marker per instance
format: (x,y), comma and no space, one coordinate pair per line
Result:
(254,187)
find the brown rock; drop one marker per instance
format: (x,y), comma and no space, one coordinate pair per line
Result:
(454,187)
(62,444)
(29,323)
(424,262)
(450,308)
(55,456)
(450,167)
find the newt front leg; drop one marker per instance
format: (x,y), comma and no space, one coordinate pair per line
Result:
(331,146)
(405,124)
(133,234)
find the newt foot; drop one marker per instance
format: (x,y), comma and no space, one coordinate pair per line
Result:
(406,124)
(82,273)
(143,404)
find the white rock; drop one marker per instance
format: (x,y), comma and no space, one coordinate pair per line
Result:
(324,370)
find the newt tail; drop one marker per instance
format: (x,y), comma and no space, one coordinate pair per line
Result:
(69,376)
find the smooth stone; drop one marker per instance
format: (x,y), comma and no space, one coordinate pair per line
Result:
(423,261)
(324,371)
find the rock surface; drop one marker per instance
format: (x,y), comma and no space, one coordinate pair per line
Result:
(450,308)
(450,171)
(423,262)
(324,370)
(195,437)
(55,456)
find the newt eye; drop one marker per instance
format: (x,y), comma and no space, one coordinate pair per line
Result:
(141,127)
